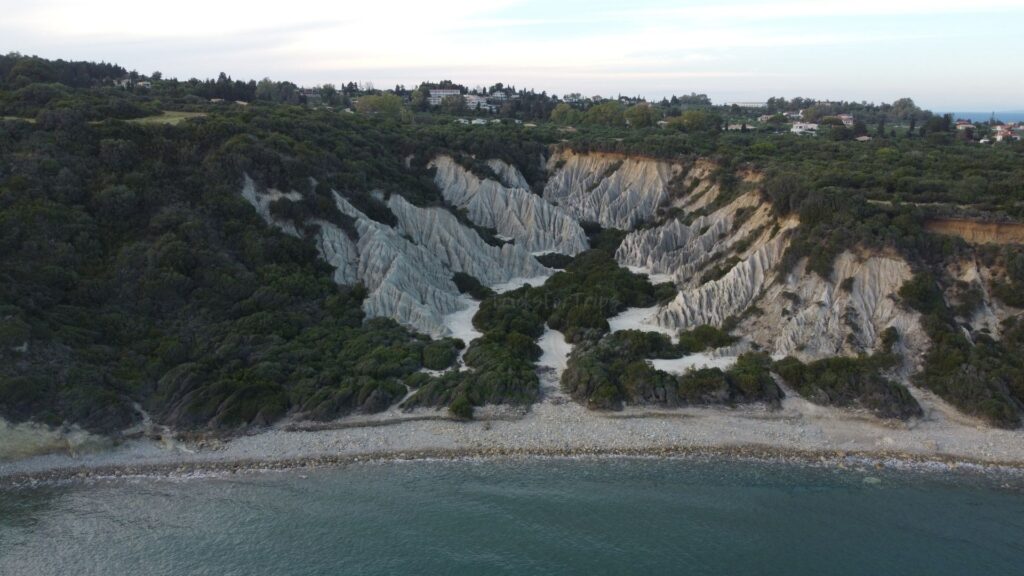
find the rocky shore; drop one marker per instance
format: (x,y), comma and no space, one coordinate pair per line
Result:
(557,427)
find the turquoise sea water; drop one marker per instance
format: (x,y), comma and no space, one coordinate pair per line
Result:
(526,516)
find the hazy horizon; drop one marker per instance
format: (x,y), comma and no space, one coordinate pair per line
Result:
(947,55)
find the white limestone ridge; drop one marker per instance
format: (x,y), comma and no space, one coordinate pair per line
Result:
(613,190)
(701,186)
(682,250)
(407,270)
(811,317)
(715,301)
(261,201)
(404,281)
(460,248)
(509,175)
(800,314)
(674,247)
(509,207)
(338,250)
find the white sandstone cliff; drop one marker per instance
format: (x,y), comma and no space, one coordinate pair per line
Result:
(509,207)
(407,270)
(613,190)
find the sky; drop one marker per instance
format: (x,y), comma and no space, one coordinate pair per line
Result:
(949,55)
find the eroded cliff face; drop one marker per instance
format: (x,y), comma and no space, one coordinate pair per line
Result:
(988,316)
(811,317)
(509,175)
(509,207)
(727,267)
(978,232)
(261,201)
(404,280)
(611,189)
(681,250)
(333,245)
(461,249)
(723,255)
(716,301)
(407,270)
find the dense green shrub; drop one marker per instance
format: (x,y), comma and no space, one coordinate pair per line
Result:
(555,260)
(461,408)
(843,382)
(469,285)
(614,371)
(983,377)
(704,337)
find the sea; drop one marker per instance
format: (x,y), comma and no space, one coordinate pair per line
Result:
(1005,116)
(523,516)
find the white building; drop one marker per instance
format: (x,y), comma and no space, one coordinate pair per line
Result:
(847,120)
(748,104)
(804,128)
(1005,133)
(474,102)
(437,95)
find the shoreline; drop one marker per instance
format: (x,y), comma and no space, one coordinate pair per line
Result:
(836,459)
(558,427)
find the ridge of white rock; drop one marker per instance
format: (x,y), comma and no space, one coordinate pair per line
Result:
(811,317)
(407,270)
(509,207)
(461,249)
(261,201)
(674,248)
(715,301)
(338,250)
(990,314)
(405,281)
(508,175)
(613,190)
(334,246)
(682,250)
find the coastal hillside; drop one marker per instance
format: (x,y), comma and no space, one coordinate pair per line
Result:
(246,266)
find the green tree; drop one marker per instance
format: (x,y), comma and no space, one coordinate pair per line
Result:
(565,114)
(383,105)
(419,101)
(605,114)
(454,105)
(641,116)
(697,121)
(330,95)
(904,109)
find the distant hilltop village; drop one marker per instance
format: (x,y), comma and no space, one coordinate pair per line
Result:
(692,112)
